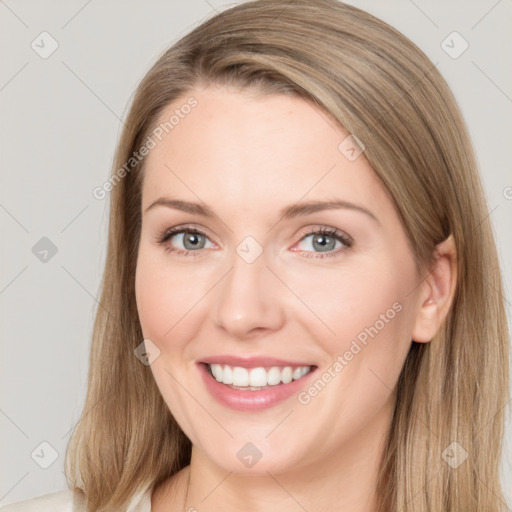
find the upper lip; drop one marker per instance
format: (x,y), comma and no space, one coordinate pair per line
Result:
(251,362)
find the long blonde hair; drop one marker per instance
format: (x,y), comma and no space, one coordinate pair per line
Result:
(378,85)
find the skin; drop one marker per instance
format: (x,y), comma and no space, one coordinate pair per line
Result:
(247,156)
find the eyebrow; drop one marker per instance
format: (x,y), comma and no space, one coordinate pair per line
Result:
(288,212)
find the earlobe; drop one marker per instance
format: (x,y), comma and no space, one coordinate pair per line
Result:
(436,292)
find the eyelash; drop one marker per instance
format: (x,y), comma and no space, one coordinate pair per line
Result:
(334,233)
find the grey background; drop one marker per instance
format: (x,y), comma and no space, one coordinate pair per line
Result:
(61,119)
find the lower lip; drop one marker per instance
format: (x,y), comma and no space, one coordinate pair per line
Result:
(245,400)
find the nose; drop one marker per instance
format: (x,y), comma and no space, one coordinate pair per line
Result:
(248,300)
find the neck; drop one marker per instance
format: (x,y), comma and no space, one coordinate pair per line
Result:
(346,480)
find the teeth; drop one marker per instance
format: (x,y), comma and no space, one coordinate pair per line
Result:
(257,377)
(216,371)
(240,376)
(227,375)
(273,376)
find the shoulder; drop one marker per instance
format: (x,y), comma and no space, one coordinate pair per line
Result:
(72,501)
(61,501)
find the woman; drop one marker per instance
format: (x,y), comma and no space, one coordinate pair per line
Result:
(302,306)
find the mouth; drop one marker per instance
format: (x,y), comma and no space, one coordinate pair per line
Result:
(256,379)
(256,384)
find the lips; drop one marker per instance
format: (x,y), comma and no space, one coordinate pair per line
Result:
(254,362)
(238,383)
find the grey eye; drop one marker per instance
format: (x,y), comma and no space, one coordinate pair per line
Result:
(190,240)
(320,242)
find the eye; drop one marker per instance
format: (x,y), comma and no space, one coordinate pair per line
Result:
(324,240)
(193,239)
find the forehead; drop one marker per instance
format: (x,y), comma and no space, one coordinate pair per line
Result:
(246,149)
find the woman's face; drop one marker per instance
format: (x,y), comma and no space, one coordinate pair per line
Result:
(261,286)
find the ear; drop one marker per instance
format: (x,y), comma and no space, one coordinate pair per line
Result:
(436,292)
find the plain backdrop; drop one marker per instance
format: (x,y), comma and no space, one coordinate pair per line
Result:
(60,122)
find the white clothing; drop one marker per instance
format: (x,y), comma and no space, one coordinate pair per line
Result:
(68,501)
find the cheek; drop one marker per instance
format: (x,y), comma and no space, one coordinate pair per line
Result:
(167,300)
(367,317)
(363,314)
(344,302)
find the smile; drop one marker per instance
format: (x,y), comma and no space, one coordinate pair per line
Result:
(255,388)
(254,379)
